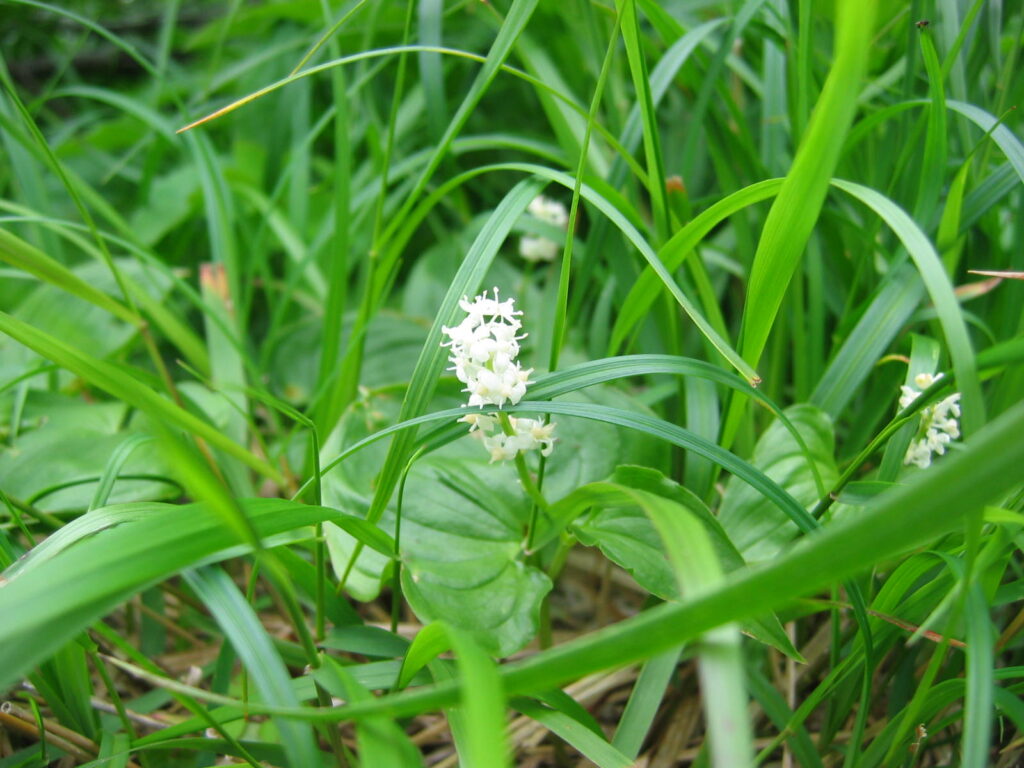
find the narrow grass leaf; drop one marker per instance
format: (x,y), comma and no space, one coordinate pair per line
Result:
(940,290)
(977,739)
(579,737)
(111,379)
(795,210)
(74,587)
(22,255)
(244,631)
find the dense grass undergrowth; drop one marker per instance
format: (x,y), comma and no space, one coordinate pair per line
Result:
(609,382)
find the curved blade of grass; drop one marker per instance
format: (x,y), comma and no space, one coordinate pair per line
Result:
(481,695)
(654,262)
(399,50)
(1004,138)
(676,435)
(118,383)
(24,256)
(482,700)
(795,210)
(113,469)
(645,701)
(672,254)
(145,114)
(651,425)
(649,117)
(933,162)
(429,643)
(246,634)
(569,380)
(720,660)
(64,595)
(423,382)
(576,735)
(934,277)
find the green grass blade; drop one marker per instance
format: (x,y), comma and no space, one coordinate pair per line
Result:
(648,115)
(934,277)
(977,738)
(112,379)
(644,702)
(244,631)
(73,588)
(114,464)
(22,255)
(579,737)
(482,701)
(720,661)
(795,210)
(933,164)
(642,295)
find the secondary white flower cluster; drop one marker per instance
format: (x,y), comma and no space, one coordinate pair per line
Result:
(484,347)
(527,434)
(939,423)
(534,248)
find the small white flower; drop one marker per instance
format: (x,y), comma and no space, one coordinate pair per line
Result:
(938,425)
(483,348)
(534,248)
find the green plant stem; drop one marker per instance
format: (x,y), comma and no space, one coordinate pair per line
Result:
(319,549)
(396,579)
(115,698)
(562,303)
(529,486)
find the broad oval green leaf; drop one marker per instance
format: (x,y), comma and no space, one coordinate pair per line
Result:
(756,526)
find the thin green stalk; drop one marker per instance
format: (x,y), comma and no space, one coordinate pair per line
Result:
(396,579)
(55,165)
(190,703)
(250,598)
(15,514)
(351,364)
(320,549)
(562,302)
(330,407)
(526,480)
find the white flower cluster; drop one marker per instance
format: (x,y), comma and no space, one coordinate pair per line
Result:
(534,248)
(939,423)
(527,434)
(483,348)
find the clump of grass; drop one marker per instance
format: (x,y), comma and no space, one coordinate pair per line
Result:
(243,521)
